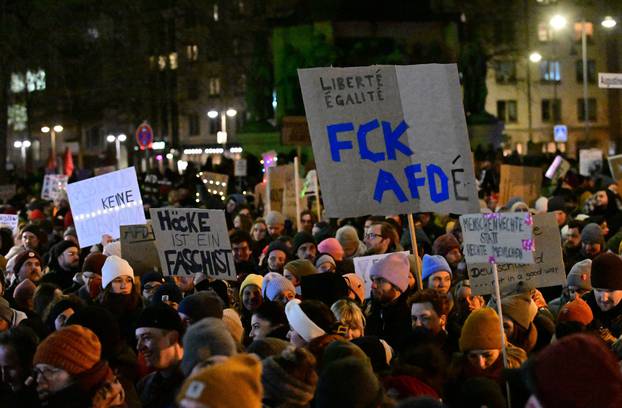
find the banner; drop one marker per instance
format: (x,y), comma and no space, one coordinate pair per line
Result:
(138,247)
(52,184)
(519,181)
(282,187)
(548,269)
(215,183)
(9,221)
(193,241)
(362,267)
(390,139)
(7,191)
(498,237)
(615,165)
(590,162)
(100,205)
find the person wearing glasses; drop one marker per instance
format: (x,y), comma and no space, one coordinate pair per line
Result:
(380,238)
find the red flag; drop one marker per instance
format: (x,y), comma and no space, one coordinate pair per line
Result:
(68,162)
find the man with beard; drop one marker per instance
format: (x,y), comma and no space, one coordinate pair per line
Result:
(605,299)
(242,253)
(571,236)
(380,238)
(305,246)
(448,247)
(592,241)
(64,264)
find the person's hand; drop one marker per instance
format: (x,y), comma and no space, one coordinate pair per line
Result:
(537,297)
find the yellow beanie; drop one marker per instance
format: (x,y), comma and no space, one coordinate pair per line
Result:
(235,383)
(481,331)
(251,279)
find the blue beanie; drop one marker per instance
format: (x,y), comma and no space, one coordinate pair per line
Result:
(433,264)
(277,285)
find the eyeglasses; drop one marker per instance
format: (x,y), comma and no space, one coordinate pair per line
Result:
(46,372)
(371,235)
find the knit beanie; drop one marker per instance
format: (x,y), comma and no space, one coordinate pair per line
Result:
(481,331)
(201,305)
(580,275)
(251,279)
(207,337)
(556,203)
(289,379)
(592,234)
(269,346)
(281,246)
(73,348)
(340,349)
(541,204)
(300,322)
(323,258)
(234,383)
(348,237)
(24,292)
(94,263)
(277,285)
(576,310)
(160,316)
(394,268)
(432,264)
(170,290)
(348,382)
(232,320)
(151,277)
(575,372)
(444,244)
(21,259)
(275,218)
(300,268)
(520,308)
(6,313)
(114,267)
(58,249)
(302,238)
(356,285)
(607,272)
(332,247)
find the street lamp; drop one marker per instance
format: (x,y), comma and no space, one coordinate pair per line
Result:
(22,145)
(558,22)
(608,22)
(535,57)
(117,140)
(53,131)
(221,136)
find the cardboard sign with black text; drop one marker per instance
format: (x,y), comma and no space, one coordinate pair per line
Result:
(138,247)
(519,181)
(191,241)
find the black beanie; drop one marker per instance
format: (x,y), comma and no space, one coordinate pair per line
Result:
(607,272)
(201,305)
(160,316)
(281,246)
(302,238)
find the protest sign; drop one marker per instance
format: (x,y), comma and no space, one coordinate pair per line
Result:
(615,165)
(138,248)
(548,269)
(498,237)
(590,162)
(100,205)
(295,131)
(557,169)
(240,168)
(362,267)
(52,184)
(282,190)
(8,221)
(193,241)
(7,191)
(519,181)
(215,183)
(389,139)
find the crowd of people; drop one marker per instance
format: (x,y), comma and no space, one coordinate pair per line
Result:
(82,327)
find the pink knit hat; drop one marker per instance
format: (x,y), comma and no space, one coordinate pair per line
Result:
(333,247)
(393,268)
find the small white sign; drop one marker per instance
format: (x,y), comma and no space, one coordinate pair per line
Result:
(610,80)
(52,185)
(560,133)
(240,169)
(8,220)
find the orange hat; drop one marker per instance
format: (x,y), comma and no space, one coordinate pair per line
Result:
(576,311)
(73,348)
(481,331)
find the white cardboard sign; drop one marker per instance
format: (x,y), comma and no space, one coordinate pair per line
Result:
(362,267)
(8,220)
(52,184)
(100,205)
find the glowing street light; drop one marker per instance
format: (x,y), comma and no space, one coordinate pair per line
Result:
(221,135)
(535,57)
(558,22)
(608,22)
(117,140)
(22,145)
(231,112)
(52,131)
(212,114)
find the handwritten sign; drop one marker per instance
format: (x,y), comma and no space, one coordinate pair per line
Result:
(615,165)
(52,184)
(100,205)
(138,248)
(520,181)
(391,139)
(557,169)
(498,237)
(9,221)
(548,269)
(215,183)
(362,267)
(590,162)
(7,191)
(193,241)
(282,185)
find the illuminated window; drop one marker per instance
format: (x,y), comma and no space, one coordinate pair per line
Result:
(192,52)
(214,86)
(17,83)
(35,81)
(161,62)
(550,71)
(545,32)
(17,117)
(215,12)
(172,58)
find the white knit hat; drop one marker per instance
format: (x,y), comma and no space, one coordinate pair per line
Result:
(115,267)
(300,322)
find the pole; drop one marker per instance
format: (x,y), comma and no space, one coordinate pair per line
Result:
(23,149)
(585,99)
(495,275)
(317,196)
(268,203)
(297,184)
(529,110)
(413,241)
(117,148)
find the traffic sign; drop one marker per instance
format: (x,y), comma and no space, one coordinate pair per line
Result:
(609,80)
(560,133)
(144,136)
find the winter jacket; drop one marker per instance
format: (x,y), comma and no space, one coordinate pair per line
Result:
(390,322)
